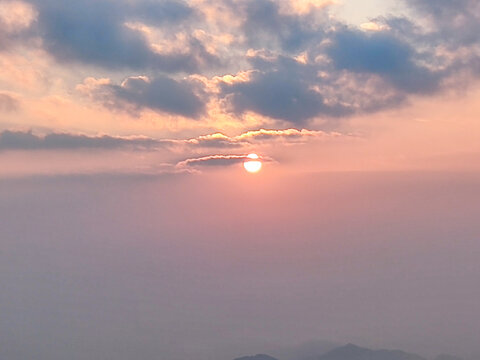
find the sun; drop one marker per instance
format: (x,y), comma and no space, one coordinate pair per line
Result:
(253,164)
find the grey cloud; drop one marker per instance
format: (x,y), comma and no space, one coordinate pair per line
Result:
(264,23)
(19,140)
(160,12)
(352,72)
(362,71)
(8,103)
(457,21)
(382,54)
(181,97)
(27,140)
(9,37)
(343,70)
(295,92)
(93,32)
(277,95)
(282,92)
(6,39)
(212,160)
(221,160)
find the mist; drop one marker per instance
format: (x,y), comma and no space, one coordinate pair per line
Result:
(219,265)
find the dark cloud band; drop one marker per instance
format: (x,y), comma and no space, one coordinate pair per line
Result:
(162,93)
(19,140)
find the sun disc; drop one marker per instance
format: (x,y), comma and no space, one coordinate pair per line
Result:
(254,165)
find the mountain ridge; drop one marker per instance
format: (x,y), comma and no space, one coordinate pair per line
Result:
(354,352)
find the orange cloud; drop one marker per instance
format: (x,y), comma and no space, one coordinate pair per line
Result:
(287,136)
(16,15)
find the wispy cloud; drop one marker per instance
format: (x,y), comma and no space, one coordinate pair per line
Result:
(212,160)
(15,19)
(27,140)
(262,136)
(20,140)
(217,160)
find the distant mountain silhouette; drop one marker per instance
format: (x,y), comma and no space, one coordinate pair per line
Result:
(256,357)
(310,350)
(351,352)
(354,352)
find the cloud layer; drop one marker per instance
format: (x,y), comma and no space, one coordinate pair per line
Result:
(27,140)
(302,64)
(19,140)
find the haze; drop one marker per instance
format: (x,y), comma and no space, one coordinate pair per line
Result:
(129,228)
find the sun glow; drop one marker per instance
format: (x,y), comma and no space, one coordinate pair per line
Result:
(253,164)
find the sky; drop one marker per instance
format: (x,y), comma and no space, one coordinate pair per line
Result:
(129,228)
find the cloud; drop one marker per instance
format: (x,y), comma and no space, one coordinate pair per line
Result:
(26,140)
(212,160)
(382,54)
(8,103)
(296,92)
(161,12)
(456,22)
(287,134)
(305,6)
(217,140)
(216,160)
(303,65)
(283,92)
(345,71)
(19,140)
(15,19)
(182,97)
(264,21)
(16,15)
(333,70)
(94,32)
(322,69)
(262,136)
(451,32)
